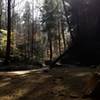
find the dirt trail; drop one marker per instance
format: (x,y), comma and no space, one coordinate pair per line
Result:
(55,84)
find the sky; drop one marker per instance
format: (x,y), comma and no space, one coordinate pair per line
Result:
(20,4)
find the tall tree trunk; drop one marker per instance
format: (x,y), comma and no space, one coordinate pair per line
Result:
(7,57)
(69,23)
(28,45)
(25,48)
(13,24)
(63,35)
(0,20)
(50,49)
(59,39)
(32,38)
(13,15)
(0,12)
(50,45)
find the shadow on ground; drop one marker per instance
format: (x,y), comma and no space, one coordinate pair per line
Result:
(57,84)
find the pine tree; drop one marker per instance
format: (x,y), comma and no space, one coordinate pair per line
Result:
(27,22)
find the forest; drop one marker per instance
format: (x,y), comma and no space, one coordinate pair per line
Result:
(35,33)
(49,49)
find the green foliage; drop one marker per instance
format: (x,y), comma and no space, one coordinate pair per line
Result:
(52,12)
(49,15)
(3,42)
(38,52)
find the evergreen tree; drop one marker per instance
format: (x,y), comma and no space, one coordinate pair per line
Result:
(27,30)
(49,20)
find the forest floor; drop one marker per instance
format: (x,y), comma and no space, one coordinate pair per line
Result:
(55,84)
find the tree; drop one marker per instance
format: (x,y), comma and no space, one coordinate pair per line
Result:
(83,20)
(13,15)
(62,25)
(33,29)
(27,30)
(49,20)
(1,8)
(8,47)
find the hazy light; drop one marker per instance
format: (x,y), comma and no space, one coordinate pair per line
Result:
(20,5)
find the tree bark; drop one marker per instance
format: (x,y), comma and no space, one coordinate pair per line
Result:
(13,15)
(59,40)
(50,45)
(8,48)
(0,20)
(32,38)
(0,12)
(63,35)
